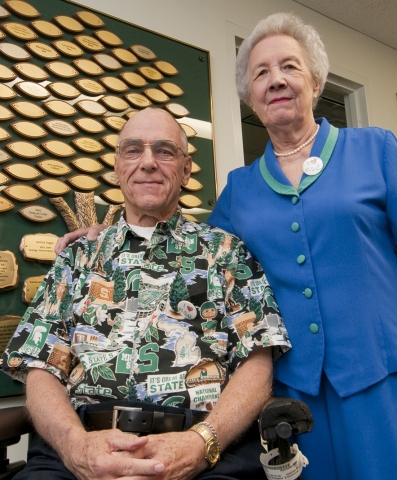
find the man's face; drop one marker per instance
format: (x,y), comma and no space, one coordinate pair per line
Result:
(151,187)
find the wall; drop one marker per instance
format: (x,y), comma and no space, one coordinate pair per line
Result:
(212,25)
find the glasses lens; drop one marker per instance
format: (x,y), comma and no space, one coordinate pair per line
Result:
(165,150)
(131,148)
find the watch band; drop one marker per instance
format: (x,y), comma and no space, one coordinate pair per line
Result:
(212,449)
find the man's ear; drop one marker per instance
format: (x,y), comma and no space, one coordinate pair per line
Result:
(115,170)
(187,169)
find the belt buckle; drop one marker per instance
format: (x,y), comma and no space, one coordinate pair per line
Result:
(115,417)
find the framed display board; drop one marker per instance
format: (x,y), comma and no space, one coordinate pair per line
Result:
(70,77)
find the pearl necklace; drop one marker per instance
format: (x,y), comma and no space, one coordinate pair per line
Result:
(298,149)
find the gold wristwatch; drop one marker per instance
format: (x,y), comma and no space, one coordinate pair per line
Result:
(212,450)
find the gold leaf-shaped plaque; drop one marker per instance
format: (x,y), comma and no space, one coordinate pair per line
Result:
(125,56)
(14,52)
(89,43)
(5,114)
(68,23)
(19,31)
(190,201)
(21,8)
(22,193)
(28,129)
(6,74)
(38,247)
(143,52)
(58,148)
(25,149)
(114,84)
(190,218)
(4,134)
(28,109)
(151,73)
(4,157)
(31,284)
(37,213)
(89,19)
(113,195)
(117,123)
(43,50)
(54,167)
(6,92)
(88,66)
(90,86)
(191,149)
(111,140)
(3,178)
(190,131)
(108,158)
(83,182)
(106,61)
(133,79)
(33,90)
(8,270)
(61,127)
(31,71)
(177,109)
(91,107)
(2,35)
(138,100)
(4,13)
(166,68)
(114,103)
(5,205)
(88,144)
(63,89)
(89,125)
(52,186)
(110,178)
(60,107)
(131,113)
(47,29)
(62,69)
(68,48)
(21,171)
(156,95)
(111,39)
(171,89)
(193,185)
(88,165)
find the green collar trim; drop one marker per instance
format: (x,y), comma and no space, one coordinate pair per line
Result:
(325,155)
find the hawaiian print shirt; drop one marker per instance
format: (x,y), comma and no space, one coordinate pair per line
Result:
(164,320)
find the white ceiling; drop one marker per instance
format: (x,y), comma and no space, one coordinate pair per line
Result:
(375,18)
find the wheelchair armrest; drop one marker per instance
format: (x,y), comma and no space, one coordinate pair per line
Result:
(14,422)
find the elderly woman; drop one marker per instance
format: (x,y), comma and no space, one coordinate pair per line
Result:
(319,211)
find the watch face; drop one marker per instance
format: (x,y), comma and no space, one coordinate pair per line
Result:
(213,453)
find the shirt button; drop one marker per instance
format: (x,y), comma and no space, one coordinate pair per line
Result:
(314,328)
(301,259)
(308,293)
(294,200)
(295,227)
(147,261)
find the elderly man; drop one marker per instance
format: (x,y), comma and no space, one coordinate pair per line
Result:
(126,331)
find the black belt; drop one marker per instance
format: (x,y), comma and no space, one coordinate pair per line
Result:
(141,419)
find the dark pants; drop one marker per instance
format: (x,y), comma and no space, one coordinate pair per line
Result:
(240,461)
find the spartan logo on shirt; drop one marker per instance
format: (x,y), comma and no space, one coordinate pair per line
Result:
(36,339)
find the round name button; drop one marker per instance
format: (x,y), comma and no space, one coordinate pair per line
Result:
(313,166)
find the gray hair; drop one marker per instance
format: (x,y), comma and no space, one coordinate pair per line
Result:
(283,24)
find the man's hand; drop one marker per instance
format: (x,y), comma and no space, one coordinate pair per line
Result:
(108,455)
(91,233)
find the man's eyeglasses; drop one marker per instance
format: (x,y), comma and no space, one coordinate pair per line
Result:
(164,150)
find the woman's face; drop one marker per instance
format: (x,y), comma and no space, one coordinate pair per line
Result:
(281,86)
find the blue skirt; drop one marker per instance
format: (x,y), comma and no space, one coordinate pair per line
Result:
(354,438)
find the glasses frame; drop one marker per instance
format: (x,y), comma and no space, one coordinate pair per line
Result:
(150,145)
